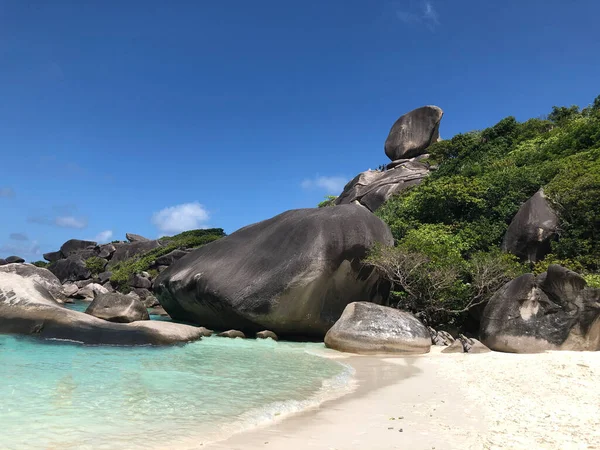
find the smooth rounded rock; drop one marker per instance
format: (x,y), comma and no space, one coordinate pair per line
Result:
(14,260)
(292,274)
(232,334)
(413,132)
(116,307)
(266,334)
(367,328)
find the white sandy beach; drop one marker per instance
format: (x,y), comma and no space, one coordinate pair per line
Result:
(454,401)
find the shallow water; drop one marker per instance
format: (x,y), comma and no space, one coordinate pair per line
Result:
(64,396)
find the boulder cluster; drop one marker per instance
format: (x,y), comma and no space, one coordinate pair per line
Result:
(406,146)
(85,267)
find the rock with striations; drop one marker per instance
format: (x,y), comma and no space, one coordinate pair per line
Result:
(373,188)
(53,256)
(28,308)
(72,268)
(440,338)
(116,307)
(531,231)
(466,345)
(367,328)
(14,260)
(292,274)
(74,246)
(40,277)
(413,133)
(553,311)
(128,250)
(131,237)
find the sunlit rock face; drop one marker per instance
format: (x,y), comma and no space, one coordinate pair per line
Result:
(367,328)
(553,311)
(292,274)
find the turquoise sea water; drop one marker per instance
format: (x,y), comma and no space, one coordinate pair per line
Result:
(66,396)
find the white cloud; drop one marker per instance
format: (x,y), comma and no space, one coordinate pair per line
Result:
(332,185)
(7,192)
(18,237)
(422,12)
(103,236)
(71,222)
(175,219)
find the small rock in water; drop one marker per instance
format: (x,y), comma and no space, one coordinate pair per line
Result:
(266,334)
(232,334)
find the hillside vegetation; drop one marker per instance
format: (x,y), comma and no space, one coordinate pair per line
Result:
(449,229)
(145,262)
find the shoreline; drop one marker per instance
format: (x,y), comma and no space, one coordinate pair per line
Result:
(448,401)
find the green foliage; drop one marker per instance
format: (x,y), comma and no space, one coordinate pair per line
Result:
(329,201)
(42,264)
(460,213)
(95,265)
(593,280)
(122,271)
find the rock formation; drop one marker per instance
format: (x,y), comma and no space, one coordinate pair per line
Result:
(292,274)
(27,307)
(116,307)
(413,133)
(553,311)
(532,229)
(406,145)
(367,328)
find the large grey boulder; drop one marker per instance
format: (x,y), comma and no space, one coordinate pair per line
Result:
(131,237)
(74,246)
(554,311)
(90,291)
(14,260)
(72,268)
(292,274)
(116,307)
(127,250)
(532,229)
(53,256)
(413,133)
(367,328)
(170,258)
(106,251)
(38,276)
(27,308)
(373,188)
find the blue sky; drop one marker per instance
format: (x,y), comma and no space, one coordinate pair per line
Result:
(153,117)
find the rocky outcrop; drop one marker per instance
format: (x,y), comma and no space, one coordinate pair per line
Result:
(28,308)
(132,237)
(367,328)
(413,133)
(553,311)
(128,250)
(292,274)
(3,262)
(373,187)
(532,229)
(406,145)
(14,260)
(116,307)
(90,291)
(170,258)
(74,246)
(72,268)
(440,338)
(53,256)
